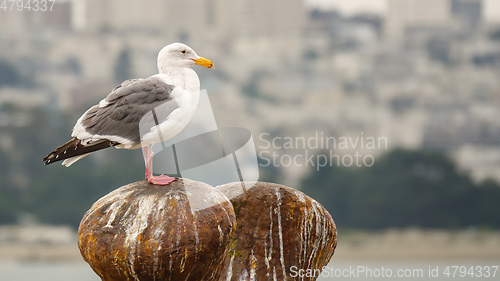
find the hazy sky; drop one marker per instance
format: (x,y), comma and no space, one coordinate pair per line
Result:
(491,8)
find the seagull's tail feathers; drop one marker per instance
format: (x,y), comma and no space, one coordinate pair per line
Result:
(74,150)
(68,162)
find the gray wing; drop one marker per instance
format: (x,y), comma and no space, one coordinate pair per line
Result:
(121,111)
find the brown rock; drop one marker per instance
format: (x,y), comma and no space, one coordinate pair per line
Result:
(279,231)
(145,232)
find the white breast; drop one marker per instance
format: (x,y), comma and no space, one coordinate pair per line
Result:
(186,101)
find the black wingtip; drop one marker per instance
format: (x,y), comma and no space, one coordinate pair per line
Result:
(48,159)
(74,148)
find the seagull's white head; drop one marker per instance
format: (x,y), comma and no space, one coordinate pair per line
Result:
(178,55)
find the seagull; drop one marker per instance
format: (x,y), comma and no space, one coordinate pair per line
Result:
(116,120)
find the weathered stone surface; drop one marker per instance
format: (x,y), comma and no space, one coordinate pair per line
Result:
(146,232)
(279,231)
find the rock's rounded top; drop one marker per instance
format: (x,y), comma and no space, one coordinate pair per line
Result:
(258,188)
(143,231)
(278,228)
(199,194)
(237,188)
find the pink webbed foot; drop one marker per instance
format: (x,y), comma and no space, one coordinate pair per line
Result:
(161,180)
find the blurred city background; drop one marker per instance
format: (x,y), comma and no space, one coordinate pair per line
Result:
(423,75)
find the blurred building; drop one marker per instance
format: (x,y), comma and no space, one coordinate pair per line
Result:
(468,12)
(406,14)
(404,17)
(60,16)
(182,20)
(216,19)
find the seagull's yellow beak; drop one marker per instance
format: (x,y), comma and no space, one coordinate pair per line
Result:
(204,62)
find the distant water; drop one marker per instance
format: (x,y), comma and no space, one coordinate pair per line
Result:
(424,270)
(80,271)
(46,271)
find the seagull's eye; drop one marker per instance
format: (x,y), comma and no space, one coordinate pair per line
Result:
(183,51)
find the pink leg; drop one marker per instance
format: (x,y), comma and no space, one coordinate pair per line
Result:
(147,152)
